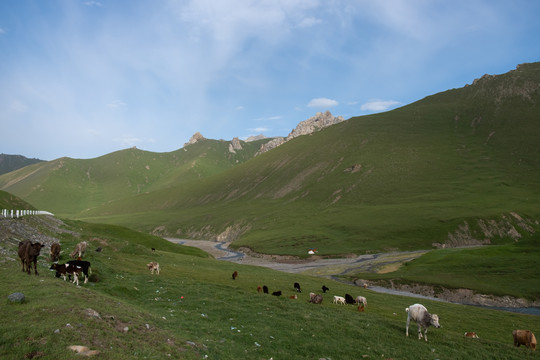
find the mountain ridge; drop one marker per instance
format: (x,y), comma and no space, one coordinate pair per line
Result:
(427,168)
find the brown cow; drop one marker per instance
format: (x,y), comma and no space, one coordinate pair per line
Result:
(55,252)
(524,337)
(29,253)
(471,334)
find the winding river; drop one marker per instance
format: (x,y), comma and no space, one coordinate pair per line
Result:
(329,268)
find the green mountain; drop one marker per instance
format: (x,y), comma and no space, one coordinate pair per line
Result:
(461,167)
(13,162)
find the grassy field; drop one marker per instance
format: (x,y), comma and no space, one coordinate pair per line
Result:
(194,310)
(501,270)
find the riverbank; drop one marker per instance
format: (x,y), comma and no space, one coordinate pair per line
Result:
(383,262)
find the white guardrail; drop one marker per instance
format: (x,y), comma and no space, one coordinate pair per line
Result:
(20,213)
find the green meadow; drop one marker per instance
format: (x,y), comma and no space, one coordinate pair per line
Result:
(194,310)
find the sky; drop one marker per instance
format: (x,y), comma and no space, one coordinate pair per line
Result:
(82,78)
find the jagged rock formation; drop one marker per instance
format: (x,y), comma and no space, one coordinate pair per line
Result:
(306,127)
(275,142)
(315,123)
(235,145)
(196,137)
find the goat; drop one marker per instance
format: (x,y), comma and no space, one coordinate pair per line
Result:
(361,299)
(79,250)
(315,298)
(153,266)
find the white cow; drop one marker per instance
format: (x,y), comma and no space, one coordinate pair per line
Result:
(419,314)
(339,300)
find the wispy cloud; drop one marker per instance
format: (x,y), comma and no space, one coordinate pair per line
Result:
(2,31)
(93,3)
(322,103)
(270,118)
(376,105)
(259,129)
(309,22)
(116,104)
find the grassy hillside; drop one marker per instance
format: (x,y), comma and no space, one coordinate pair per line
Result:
(402,179)
(10,163)
(194,310)
(68,186)
(460,167)
(10,201)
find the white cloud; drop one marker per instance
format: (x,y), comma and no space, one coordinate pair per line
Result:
(322,102)
(270,118)
(117,104)
(2,31)
(377,105)
(259,129)
(93,3)
(309,22)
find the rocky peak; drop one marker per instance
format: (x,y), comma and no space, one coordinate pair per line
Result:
(306,127)
(235,145)
(196,137)
(255,138)
(315,123)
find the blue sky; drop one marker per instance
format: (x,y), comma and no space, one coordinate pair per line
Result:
(83,78)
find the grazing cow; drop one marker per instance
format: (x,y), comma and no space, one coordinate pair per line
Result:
(361,308)
(79,250)
(315,298)
(234,275)
(471,334)
(294,297)
(419,314)
(349,299)
(153,249)
(85,267)
(265,289)
(339,300)
(277,293)
(297,287)
(153,266)
(361,299)
(524,337)
(54,252)
(324,289)
(259,289)
(29,253)
(67,269)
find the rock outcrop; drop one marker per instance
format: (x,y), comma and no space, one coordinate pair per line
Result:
(196,137)
(235,145)
(306,127)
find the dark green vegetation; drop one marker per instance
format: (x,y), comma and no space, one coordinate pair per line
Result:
(194,308)
(10,163)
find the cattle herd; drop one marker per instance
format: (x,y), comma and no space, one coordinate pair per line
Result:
(28,253)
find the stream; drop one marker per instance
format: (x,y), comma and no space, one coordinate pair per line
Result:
(331,268)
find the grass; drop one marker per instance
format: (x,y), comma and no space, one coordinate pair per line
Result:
(509,269)
(194,309)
